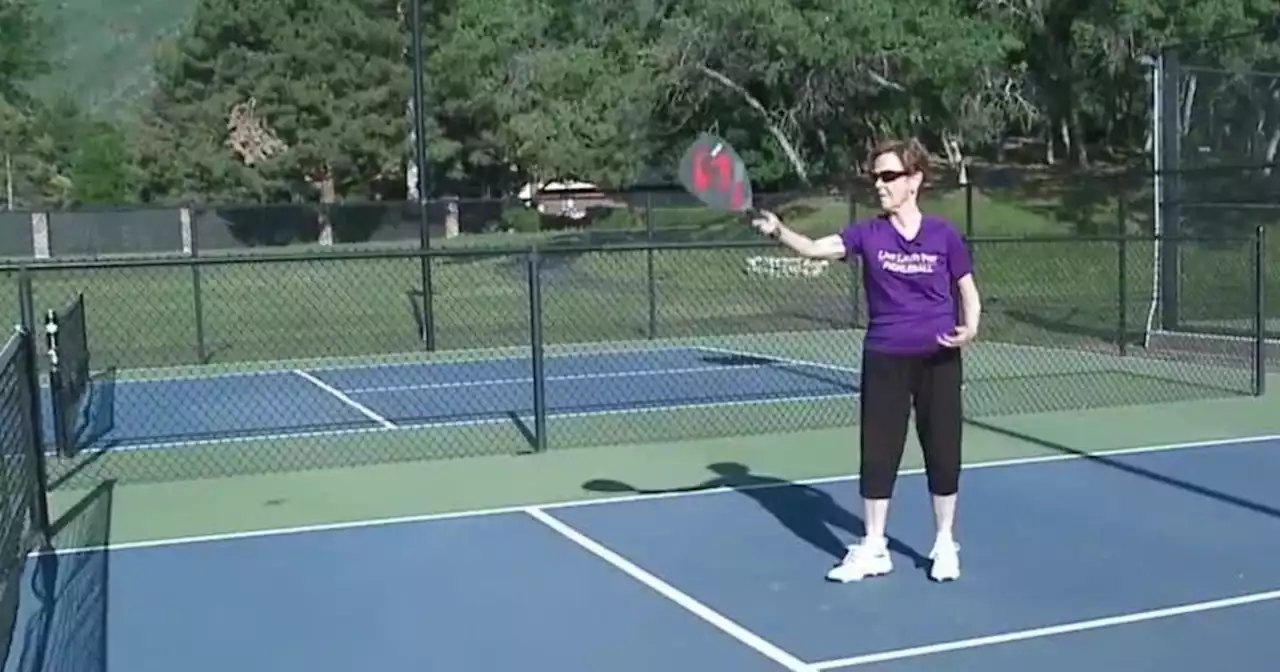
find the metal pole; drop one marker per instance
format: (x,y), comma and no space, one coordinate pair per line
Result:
(534,265)
(1259,311)
(649,235)
(420,152)
(1122,279)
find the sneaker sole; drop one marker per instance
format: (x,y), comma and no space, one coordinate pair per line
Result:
(862,578)
(944,579)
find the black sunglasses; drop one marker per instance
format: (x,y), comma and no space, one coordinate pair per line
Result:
(889,175)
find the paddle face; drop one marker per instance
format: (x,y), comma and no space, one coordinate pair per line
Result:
(607,485)
(716,175)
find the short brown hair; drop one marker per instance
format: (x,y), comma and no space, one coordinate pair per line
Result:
(911,152)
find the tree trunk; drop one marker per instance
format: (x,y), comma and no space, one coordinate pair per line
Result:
(328,197)
(451,214)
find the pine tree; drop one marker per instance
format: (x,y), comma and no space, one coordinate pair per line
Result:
(281,100)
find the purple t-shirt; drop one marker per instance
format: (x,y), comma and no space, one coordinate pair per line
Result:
(910,284)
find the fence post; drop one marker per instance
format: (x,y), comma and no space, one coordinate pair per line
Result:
(855,288)
(1122,289)
(424,243)
(534,265)
(650,234)
(37,491)
(197,300)
(1259,311)
(26,299)
(26,329)
(420,158)
(968,205)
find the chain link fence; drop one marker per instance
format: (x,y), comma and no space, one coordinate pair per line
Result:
(24,517)
(1216,126)
(222,366)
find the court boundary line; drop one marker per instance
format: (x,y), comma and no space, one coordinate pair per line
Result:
(624,499)
(340,396)
(446,424)
(285,366)
(463,384)
(1047,631)
(780,360)
(680,598)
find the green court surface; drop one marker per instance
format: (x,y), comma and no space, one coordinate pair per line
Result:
(153,511)
(478,403)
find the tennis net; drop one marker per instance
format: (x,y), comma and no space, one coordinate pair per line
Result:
(67,338)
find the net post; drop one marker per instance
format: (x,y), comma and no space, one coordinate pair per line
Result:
(1259,311)
(38,492)
(51,327)
(534,265)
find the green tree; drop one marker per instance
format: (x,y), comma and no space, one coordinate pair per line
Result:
(544,89)
(101,170)
(280,100)
(22,54)
(24,150)
(601,91)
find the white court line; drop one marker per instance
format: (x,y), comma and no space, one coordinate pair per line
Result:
(1050,631)
(282,366)
(365,410)
(782,360)
(529,379)
(684,600)
(623,499)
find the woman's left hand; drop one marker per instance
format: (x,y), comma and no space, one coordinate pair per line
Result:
(962,336)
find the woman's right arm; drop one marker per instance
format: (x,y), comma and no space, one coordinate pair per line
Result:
(827,247)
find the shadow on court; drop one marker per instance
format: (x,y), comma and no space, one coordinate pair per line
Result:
(809,513)
(67,628)
(1186,486)
(96,417)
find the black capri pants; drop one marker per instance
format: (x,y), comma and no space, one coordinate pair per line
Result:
(892,386)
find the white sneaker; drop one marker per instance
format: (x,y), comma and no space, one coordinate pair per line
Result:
(862,560)
(946,561)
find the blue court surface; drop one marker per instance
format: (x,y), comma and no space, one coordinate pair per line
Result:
(278,404)
(1159,559)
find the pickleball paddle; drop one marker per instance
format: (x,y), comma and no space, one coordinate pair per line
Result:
(716,175)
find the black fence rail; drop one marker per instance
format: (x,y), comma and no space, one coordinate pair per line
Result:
(219,366)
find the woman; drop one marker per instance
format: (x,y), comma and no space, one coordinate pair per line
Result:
(913,265)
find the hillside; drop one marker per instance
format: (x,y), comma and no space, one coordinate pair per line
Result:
(102,50)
